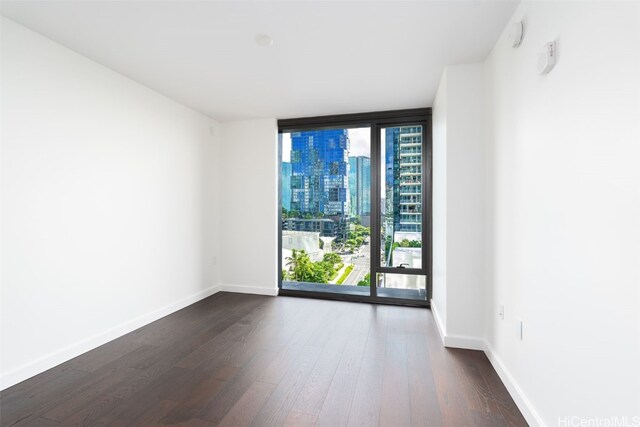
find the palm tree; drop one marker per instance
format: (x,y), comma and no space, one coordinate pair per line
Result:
(292,261)
(300,264)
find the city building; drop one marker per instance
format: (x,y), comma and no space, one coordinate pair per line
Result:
(360,185)
(286,185)
(325,226)
(301,240)
(319,181)
(404,174)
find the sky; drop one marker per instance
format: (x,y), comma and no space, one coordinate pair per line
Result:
(359,137)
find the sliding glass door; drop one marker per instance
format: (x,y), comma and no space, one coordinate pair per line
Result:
(354,218)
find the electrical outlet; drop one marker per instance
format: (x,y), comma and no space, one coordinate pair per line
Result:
(501,312)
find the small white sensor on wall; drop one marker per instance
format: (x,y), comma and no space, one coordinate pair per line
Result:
(547,57)
(516,30)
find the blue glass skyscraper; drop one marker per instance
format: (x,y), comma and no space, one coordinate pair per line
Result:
(319,172)
(360,185)
(286,185)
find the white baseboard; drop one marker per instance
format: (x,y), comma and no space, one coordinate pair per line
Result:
(243,289)
(524,404)
(468,343)
(455,341)
(441,329)
(34,367)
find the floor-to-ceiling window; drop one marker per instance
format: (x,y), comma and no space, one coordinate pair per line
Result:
(354,206)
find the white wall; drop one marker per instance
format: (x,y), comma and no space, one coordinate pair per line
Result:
(108,204)
(563,218)
(458,198)
(439,202)
(249,206)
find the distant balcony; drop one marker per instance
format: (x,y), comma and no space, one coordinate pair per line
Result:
(410,144)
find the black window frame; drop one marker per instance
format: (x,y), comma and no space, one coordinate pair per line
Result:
(375,121)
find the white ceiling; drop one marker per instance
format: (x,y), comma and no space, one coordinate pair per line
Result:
(328,57)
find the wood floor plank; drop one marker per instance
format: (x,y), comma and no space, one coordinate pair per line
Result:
(220,404)
(240,360)
(306,327)
(395,399)
(42,422)
(497,393)
(200,393)
(91,414)
(79,399)
(27,405)
(422,390)
(365,406)
(245,410)
(451,399)
(139,381)
(307,406)
(425,410)
(337,404)
(127,411)
(280,364)
(93,360)
(156,412)
(277,407)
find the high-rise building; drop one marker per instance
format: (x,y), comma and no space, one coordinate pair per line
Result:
(404,172)
(360,185)
(286,185)
(319,175)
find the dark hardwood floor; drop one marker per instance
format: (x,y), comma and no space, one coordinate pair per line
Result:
(240,360)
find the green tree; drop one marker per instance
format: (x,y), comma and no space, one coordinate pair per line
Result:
(300,264)
(362,230)
(350,245)
(332,258)
(365,281)
(321,272)
(406,243)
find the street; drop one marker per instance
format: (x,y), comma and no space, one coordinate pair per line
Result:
(361,262)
